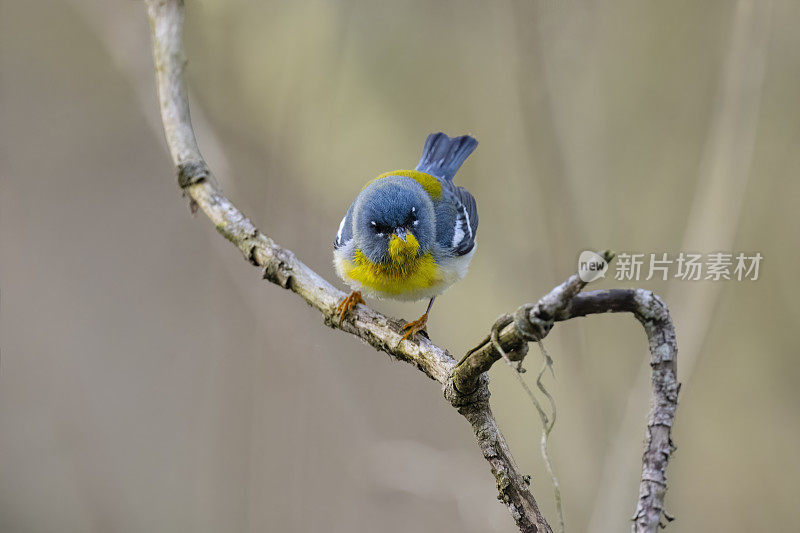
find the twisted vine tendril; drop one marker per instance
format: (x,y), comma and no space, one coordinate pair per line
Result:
(548,422)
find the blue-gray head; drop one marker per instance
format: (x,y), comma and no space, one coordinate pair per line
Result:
(395,211)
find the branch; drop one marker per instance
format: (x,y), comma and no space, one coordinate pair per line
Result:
(281,267)
(653,314)
(533,322)
(280,264)
(465,384)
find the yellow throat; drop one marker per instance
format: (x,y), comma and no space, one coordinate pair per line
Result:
(403,251)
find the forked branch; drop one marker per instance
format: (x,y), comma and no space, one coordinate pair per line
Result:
(465,384)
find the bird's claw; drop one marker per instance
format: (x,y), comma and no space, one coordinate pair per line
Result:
(410,329)
(348,303)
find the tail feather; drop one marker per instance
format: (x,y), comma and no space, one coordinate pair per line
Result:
(443,156)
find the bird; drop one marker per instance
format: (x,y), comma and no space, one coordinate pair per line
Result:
(409,234)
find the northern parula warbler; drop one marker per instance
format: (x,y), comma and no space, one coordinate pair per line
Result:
(409,234)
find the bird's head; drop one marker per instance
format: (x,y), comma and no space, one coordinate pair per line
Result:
(394,220)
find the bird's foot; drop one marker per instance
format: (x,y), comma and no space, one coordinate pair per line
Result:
(412,328)
(348,303)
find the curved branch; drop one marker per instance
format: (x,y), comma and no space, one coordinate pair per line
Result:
(465,383)
(281,267)
(280,264)
(653,314)
(533,322)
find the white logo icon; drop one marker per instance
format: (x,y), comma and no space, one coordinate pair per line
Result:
(591,266)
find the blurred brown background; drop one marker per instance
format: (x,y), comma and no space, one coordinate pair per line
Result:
(151,382)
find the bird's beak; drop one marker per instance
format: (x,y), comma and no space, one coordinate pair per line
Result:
(401,232)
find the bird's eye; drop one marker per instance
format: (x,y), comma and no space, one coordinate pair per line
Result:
(411,219)
(380,229)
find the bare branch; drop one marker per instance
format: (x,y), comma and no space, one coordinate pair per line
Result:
(531,323)
(465,384)
(512,486)
(282,267)
(651,311)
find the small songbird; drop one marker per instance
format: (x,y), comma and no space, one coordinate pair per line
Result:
(409,234)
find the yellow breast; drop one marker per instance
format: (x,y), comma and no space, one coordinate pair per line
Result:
(405,273)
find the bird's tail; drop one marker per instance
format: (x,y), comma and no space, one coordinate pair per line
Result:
(443,156)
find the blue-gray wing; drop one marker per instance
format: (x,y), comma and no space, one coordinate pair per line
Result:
(345,232)
(457,220)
